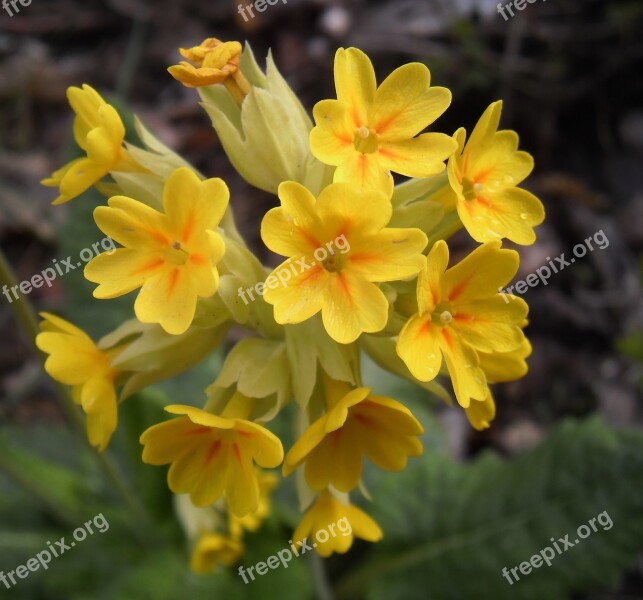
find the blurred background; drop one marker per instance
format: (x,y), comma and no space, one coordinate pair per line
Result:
(567,441)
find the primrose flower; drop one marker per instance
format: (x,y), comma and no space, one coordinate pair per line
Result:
(216,62)
(461,313)
(171,256)
(370,131)
(341,247)
(212,550)
(75,360)
(348,520)
(484,174)
(356,424)
(99,131)
(212,455)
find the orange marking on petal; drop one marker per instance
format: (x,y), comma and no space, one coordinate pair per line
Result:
(197,259)
(188,228)
(345,287)
(484,201)
(447,338)
(458,289)
(388,153)
(237,452)
(425,329)
(198,431)
(158,236)
(212,451)
(174,277)
(151,265)
(461,317)
(381,127)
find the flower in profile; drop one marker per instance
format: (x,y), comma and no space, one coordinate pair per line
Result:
(460,313)
(171,256)
(484,174)
(213,550)
(75,360)
(99,131)
(216,62)
(212,455)
(356,424)
(370,131)
(349,521)
(341,247)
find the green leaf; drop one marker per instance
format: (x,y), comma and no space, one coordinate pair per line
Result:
(450,529)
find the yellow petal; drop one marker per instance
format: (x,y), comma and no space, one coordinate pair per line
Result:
(422,156)
(337,461)
(418,346)
(468,379)
(296,296)
(480,274)
(365,172)
(481,413)
(192,205)
(168,298)
(264,446)
(505,366)
(405,104)
(389,255)
(352,306)
(491,325)
(332,139)
(352,210)
(429,287)
(122,271)
(355,83)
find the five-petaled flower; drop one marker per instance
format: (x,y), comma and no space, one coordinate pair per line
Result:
(484,174)
(356,424)
(327,511)
(99,131)
(370,131)
(342,286)
(171,256)
(212,455)
(75,360)
(461,313)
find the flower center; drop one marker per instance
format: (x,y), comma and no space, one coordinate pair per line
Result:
(365,141)
(442,315)
(471,189)
(334,263)
(176,254)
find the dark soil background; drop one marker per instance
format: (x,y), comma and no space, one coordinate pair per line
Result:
(569,72)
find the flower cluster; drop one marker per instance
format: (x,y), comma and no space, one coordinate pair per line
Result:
(394,293)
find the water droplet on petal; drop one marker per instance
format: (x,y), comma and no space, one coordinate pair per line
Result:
(524,216)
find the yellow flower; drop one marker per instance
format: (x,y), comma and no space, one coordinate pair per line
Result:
(355,424)
(252,521)
(461,313)
(370,131)
(331,526)
(212,455)
(484,175)
(99,131)
(216,62)
(171,256)
(75,360)
(341,247)
(212,550)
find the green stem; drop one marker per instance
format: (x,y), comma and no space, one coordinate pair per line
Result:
(27,318)
(320,578)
